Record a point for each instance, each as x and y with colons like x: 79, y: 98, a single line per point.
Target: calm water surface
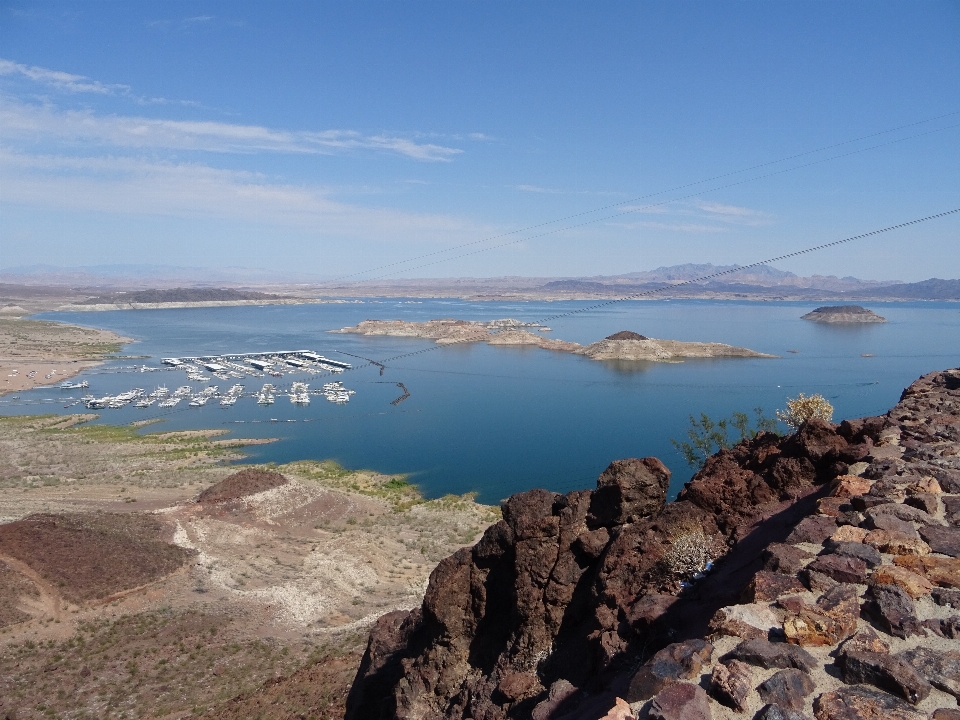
x: 498, y: 420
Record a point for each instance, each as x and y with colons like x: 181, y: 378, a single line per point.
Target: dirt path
x: 49, y: 603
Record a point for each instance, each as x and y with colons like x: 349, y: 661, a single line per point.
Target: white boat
x: 199, y: 400
x: 74, y: 385
x: 228, y: 400
x: 169, y: 402
x: 145, y: 403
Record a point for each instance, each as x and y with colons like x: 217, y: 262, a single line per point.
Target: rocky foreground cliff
x: 809, y: 575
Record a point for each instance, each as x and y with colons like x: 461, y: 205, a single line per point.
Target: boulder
x: 620, y: 711
x: 731, y: 683
x: 944, y: 572
x: 676, y: 662
x: 519, y: 686
x: 890, y: 523
x: 766, y: 586
x: 769, y: 655
x: 927, y: 502
x: 867, y: 553
x: 753, y: 620
x: 946, y: 714
x: 892, y: 609
x: 886, y: 672
x: 778, y: 712
x: 862, y: 702
x: 627, y: 491
x: 905, y: 513
x: 813, y: 530
x: 941, y: 668
x: 915, y: 585
x: 896, y: 543
x: 680, y: 701
x: 945, y: 597
x: 841, y: 569
x: 846, y: 486
x: 786, y: 688
x: 560, y: 691
x: 783, y: 558
x: 849, y: 533
x: 943, y: 540
x: 865, y: 640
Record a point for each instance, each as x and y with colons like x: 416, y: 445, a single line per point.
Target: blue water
x: 498, y: 420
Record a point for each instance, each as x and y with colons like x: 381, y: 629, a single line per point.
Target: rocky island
x: 843, y: 314
x: 624, y: 345
x: 809, y: 575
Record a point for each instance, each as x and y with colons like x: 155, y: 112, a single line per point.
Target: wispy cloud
x: 684, y: 227
x: 130, y: 186
x: 61, y: 80
x: 84, y: 126
x: 734, y: 214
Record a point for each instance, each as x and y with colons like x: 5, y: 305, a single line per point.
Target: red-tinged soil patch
x: 13, y: 587
x: 155, y: 664
x: 246, y: 482
x: 318, y: 691
x: 92, y: 555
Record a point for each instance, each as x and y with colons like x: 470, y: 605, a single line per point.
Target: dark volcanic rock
x: 868, y: 554
x: 786, y: 688
x: 862, y: 702
x: 766, y: 586
x: 676, y: 662
x: 766, y: 654
x: 944, y: 540
x: 924, y: 501
x: 865, y: 640
x: 783, y: 558
x: 680, y: 701
x: 946, y: 714
x: 548, y: 615
x: 940, y: 668
x: 944, y: 596
x: 813, y: 530
x: 887, y: 672
x: 627, y: 491
x: 892, y: 608
x: 731, y: 683
x: 778, y: 712
x: 841, y: 569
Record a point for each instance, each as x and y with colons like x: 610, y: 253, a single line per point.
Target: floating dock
x: 259, y: 360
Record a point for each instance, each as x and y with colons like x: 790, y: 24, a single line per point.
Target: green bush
x: 708, y: 437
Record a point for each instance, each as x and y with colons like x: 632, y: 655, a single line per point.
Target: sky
x: 435, y: 139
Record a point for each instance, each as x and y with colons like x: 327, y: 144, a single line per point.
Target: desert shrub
x: 708, y: 436
x: 803, y: 408
x: 690, y: 554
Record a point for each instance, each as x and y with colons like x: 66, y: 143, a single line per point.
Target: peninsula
x: 843, y: 314
x: 39, y: 352
x: 624, y: 345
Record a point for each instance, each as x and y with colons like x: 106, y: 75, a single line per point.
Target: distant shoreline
x: 101, y: 307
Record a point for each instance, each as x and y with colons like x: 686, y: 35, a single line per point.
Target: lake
x: 498, y: 420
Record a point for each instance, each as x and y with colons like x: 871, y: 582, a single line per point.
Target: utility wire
x: 651, y: 195
x: 702, y: 278
x: 654, y: 205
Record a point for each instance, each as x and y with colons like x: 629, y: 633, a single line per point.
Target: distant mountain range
x: 724, y: 281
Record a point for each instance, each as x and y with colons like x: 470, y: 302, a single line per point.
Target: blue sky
x: 337, y: 137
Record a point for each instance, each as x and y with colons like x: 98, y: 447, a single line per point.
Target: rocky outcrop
x: 767, y: 588
x: 843, y: 314
x: 624, y: 345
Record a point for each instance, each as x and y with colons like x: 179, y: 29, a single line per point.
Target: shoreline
x: 39, y: 353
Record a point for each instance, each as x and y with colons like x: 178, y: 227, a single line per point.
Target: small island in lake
x: 843, y: 314
x: 624, y: 345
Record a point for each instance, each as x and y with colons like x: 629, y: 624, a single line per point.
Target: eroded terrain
x: 141, y: 578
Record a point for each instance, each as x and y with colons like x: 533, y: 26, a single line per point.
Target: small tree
x: 708, y: 437
x: 803, y: 408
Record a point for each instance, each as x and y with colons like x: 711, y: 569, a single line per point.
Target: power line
x: 661, y: 192
x: 659, y: 204
x: 702, y: 278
